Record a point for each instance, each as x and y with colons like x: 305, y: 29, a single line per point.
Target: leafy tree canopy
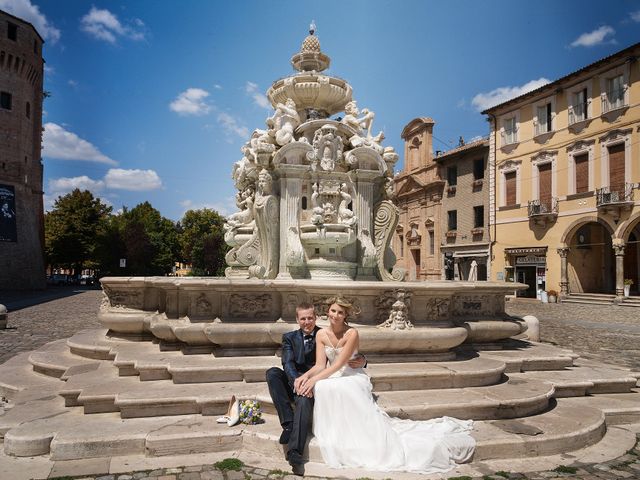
x: 202, y: 241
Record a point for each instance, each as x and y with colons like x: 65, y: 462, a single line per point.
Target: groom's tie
x: 309, y: 343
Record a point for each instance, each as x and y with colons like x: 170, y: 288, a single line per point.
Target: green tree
x: 202, y: 241
x: 150, y: 241
x: 72, y: 229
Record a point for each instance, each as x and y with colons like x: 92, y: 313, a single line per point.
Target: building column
x: 618, y: 250
x: 564, y: 277
x: 290, y: 192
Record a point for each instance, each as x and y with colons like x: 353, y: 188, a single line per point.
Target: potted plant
x: 552, y: 295
x: 627, y: 286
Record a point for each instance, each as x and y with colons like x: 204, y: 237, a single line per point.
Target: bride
x: 350, y: 428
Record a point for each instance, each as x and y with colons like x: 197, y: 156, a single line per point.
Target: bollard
x: 533, y: 328
x: 3, y: 317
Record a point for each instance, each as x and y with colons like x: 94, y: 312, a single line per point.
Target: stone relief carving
x: 346, y: 216
x: 256, y: 305
x: 399, y: 313
x: 121, y: 298
x: 437, y: 308
x: 386, y: 220
x: 202, y: 306
x: 327, y: 149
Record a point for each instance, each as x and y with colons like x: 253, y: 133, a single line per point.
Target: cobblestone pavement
x: 605, y: 333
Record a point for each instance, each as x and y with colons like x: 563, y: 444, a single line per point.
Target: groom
x: 298, y: 356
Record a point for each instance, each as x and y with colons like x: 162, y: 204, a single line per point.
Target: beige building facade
x: 564, y: 177
x: 465, y: 241
x: 21, y: 195
x: 419, y: 197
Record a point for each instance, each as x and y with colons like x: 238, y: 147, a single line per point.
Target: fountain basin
x: 248, y: 317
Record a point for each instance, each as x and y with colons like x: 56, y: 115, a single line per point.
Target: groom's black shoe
x: 298, y: 469
x: 285, y: 435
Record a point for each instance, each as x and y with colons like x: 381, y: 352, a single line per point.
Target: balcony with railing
x: 541, y: 212
x: 615, y: 196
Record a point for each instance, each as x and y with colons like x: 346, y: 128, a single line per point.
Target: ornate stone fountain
x: 315, y: 217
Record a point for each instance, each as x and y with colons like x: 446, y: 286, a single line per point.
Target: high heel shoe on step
x: 225, y: 418
x: 234, y: 414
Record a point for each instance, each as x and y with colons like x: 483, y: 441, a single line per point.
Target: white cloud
x: 31, y: 13
x: 635, y: 16
x: 597, y: 37
x: 64, y: 145
x: 48, y: 69
x: 104, y: 25
x: 482, y: 101
x: 67, y: 184
x: 259, y: 98
x: 231, y: 126
x: 217, y: 86
x: 191, y: 102
x: 61, y: 186
x: 225, y: 208
x: 135, y: 180
x: 72, y: 83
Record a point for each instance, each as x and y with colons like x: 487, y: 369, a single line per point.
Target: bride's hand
x: 306, y: 390
x: 298, y: 383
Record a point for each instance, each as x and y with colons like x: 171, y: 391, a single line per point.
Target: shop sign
x: 530, y: 259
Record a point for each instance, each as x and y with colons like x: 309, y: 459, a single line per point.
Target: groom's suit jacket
x: 295, y: 361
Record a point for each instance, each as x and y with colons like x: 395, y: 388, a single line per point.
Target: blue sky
x: 152, y: 99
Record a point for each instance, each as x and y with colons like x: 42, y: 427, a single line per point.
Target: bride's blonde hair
x: 350, y: 309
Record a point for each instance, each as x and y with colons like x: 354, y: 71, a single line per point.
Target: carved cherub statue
x: 284, y: 121
x: 245, y: 217
x: 360, y: 125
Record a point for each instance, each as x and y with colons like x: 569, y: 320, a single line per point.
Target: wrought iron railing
x: 613, y: 100
x: 538, y: 207
x: 577, y: 113
x: 609, y: 195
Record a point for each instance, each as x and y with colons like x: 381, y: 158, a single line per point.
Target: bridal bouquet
x: 250, y: 412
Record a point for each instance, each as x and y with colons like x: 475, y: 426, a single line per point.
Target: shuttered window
x: 582, y: 172
x: 510, y: 184
x: 544, y: 184
x: 616, y: 167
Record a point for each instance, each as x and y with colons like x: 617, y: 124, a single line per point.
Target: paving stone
x: 167, y: 477
x: 211, y: 475
x: 235, y: 475
x: 197, y: 468
x: 189, y: 476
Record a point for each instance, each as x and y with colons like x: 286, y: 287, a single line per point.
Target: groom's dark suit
x: 298, y: 356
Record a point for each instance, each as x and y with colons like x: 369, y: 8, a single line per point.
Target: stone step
x: 521, y: 356
x: 55, y: 360
x: 586, y: 301
x: 619, y: 408
x: 135, y: 399
x: 17, y: 375
x: 607, y: 296
x: 71, y: 435
x: 587, y: 379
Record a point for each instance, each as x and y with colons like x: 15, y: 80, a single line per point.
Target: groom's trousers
x: 298, y: 420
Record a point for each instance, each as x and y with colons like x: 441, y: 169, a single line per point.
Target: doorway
x: 527, y: 275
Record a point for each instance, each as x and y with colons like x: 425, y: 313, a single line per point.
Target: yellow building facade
x: 564, y: 166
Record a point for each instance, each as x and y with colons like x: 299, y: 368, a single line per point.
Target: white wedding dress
x: 352, y: 431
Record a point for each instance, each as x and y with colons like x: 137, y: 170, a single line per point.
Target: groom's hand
x: 358, y: 362
x: 297, y: 384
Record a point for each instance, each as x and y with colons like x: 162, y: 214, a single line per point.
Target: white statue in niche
x: 345, y: 215
x: 266, y: 209
x: 361, y: 138
x: 284, y: 121
x: 327, y: 148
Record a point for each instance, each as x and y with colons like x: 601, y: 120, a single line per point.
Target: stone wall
x: 21, y: 83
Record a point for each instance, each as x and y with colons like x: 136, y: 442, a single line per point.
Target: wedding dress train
x: 353, y: 431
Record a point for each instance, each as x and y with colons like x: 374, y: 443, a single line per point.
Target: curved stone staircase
x: 96, y: 395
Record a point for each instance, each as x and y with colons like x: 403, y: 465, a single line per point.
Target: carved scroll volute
x: 386, y: 219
